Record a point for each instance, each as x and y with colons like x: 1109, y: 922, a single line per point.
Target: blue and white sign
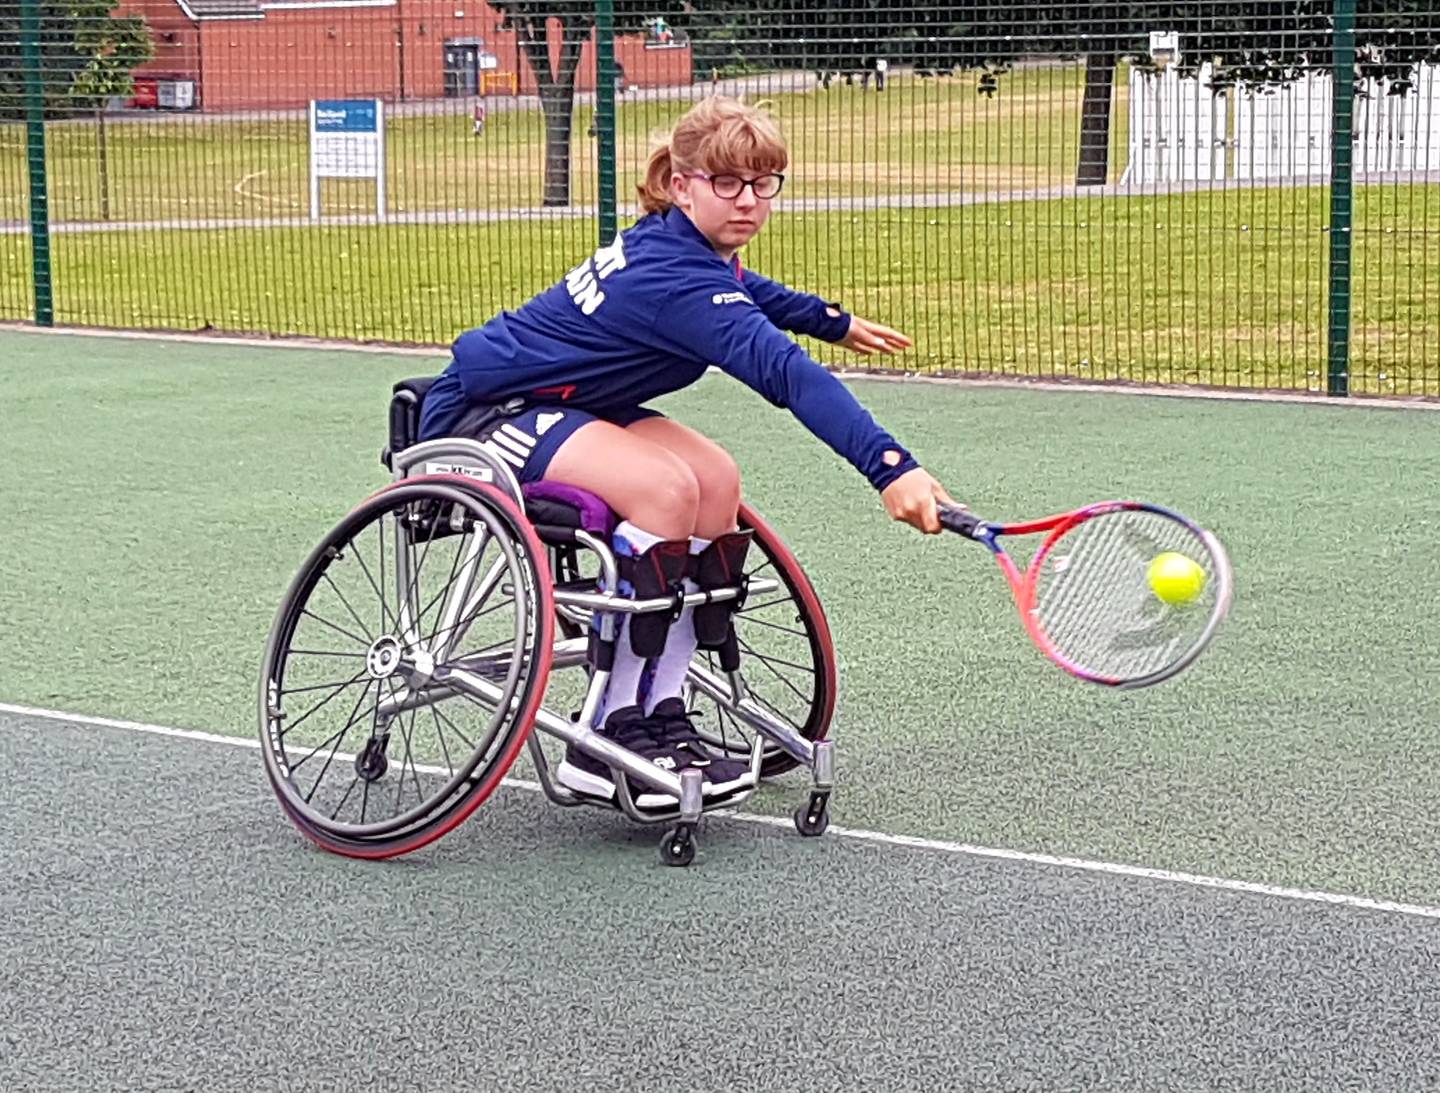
x: 347, y: 140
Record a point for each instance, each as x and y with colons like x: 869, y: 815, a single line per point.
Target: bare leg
x: 714, y: 470
x: 643, y: 481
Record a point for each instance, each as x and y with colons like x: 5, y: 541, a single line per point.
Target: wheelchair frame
x: 468, y: 458
x: 461, y: 487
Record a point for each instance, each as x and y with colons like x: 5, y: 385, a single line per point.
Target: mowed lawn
x: 920, y: 136
x: 1225, y: 287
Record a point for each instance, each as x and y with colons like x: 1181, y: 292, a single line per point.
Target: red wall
x: 291, y: 56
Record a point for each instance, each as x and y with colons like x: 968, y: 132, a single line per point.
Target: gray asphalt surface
x: 164, y: 928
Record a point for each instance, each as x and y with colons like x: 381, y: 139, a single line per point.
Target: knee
x: 718, y: 478
x: 672, y: 497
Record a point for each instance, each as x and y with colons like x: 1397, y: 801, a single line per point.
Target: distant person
x: 478, y: 118
x: 876, y: 66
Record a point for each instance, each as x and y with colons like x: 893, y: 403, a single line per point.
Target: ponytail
x: 655, y: 190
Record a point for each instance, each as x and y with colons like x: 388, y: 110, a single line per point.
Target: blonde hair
x: 716, y: 134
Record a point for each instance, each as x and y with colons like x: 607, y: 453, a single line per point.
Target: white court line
x: 1195, y: 880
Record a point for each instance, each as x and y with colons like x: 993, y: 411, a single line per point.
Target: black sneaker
x: 672, y: 728
x: 628, y: 727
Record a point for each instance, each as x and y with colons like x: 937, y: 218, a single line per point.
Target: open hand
x: 865, y: 337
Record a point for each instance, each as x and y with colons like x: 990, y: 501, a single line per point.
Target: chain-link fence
x: 1243, y: 194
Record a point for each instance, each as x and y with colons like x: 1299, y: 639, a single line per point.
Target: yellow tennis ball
x: 1175, y: 579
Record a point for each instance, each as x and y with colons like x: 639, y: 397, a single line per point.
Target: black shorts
x: 528, y: 439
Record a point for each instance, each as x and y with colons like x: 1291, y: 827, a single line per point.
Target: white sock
x: 624, y: 686
x: 668, y: 671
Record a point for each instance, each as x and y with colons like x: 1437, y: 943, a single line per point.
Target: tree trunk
x: 557, y: 96
x: 1094, y: 167
x: 104, y: 161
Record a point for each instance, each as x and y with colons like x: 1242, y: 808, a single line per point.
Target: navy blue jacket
x: 647, y: 315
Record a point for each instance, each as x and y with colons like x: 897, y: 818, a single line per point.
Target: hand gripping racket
x: 1119, y: 593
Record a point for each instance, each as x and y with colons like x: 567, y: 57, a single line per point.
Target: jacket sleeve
x: 798, y: 312
x: 708, y: 324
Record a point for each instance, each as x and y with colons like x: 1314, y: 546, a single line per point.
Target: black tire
x: 786, y: 654
x: 677, y: 848
x: 414, y: 659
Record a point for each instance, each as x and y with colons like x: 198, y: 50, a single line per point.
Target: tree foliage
x: 87, y: 54
x: 555, y: 71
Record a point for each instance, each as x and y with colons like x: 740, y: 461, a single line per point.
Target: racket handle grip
x: 960, y: 521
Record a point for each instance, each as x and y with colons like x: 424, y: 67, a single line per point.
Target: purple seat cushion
x: 548, y: 502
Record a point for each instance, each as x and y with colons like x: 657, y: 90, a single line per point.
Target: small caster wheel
x: 678, y: 846
x: 812, y: 819
x: 371, y: 763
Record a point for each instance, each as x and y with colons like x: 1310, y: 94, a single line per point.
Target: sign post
x: 347, y: 140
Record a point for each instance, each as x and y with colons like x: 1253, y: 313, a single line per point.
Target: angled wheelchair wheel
x: 787, y: 657
x: 405, y: 666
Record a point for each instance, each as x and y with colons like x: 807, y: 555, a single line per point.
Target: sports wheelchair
x: 421, y: 641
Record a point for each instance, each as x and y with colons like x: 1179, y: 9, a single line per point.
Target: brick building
x: 222, y: 55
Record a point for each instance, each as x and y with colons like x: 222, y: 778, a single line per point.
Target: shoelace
x: 632, y: 733
x: 680, y: 733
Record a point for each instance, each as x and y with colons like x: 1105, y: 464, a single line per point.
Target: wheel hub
x: 383, y: 659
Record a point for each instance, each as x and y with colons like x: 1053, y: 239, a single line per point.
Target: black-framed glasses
x: 729, y: 186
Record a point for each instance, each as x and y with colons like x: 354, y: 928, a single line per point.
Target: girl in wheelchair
x: 557, y: 388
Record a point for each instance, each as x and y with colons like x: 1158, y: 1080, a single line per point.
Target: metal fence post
x: 605, y: 115
x: 30, y: 59
x: 1342, y: 146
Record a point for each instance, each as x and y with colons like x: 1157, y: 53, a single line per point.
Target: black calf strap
x: 652, y: 573
x: 719, y: 565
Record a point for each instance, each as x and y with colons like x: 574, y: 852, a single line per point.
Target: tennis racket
x: 1104, y: 596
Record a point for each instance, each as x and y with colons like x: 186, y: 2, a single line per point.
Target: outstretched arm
x: 736, y: 335
x: 797, y: 312
x: 802, y: 313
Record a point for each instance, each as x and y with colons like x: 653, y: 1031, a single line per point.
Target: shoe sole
x: 601, y: 788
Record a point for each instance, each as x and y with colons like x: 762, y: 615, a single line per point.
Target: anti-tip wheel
x: 678, y: 846
x: 812, y: 819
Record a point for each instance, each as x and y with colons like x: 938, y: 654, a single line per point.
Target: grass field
x: 927, y: 135
x: 1221, y: 287
x: 1226, y: 287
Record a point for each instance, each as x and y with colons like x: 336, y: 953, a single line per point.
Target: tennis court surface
x: 166, y: 928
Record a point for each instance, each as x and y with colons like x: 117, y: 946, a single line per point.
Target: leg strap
x: 655, y: 572
x: 719, y: 565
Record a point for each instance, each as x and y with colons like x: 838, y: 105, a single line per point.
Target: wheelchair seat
x: 556, y: 509
x: 407, y: 396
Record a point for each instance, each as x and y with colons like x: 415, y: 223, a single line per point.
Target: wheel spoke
x: 454, y: 566
x: 348, y: 790
x: 763, y: 660
x: 749, y: 608
x: 453, y: 727
x: 776, y: 626
x: 301, y: 719
x: 386, y: 619
x: 410, y: 756
x: 321, y: 686
x: 350, y: 724
x: 779, y: 660
x: 440, y: 736
x: 365, y: 642
x: 358, y: 620
x: 413, y: 586
x: 337, y: 737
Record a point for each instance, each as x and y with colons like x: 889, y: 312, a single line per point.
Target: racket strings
x: 1094, y: 602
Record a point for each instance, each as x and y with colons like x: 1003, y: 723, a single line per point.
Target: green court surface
x: 160, y: 495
